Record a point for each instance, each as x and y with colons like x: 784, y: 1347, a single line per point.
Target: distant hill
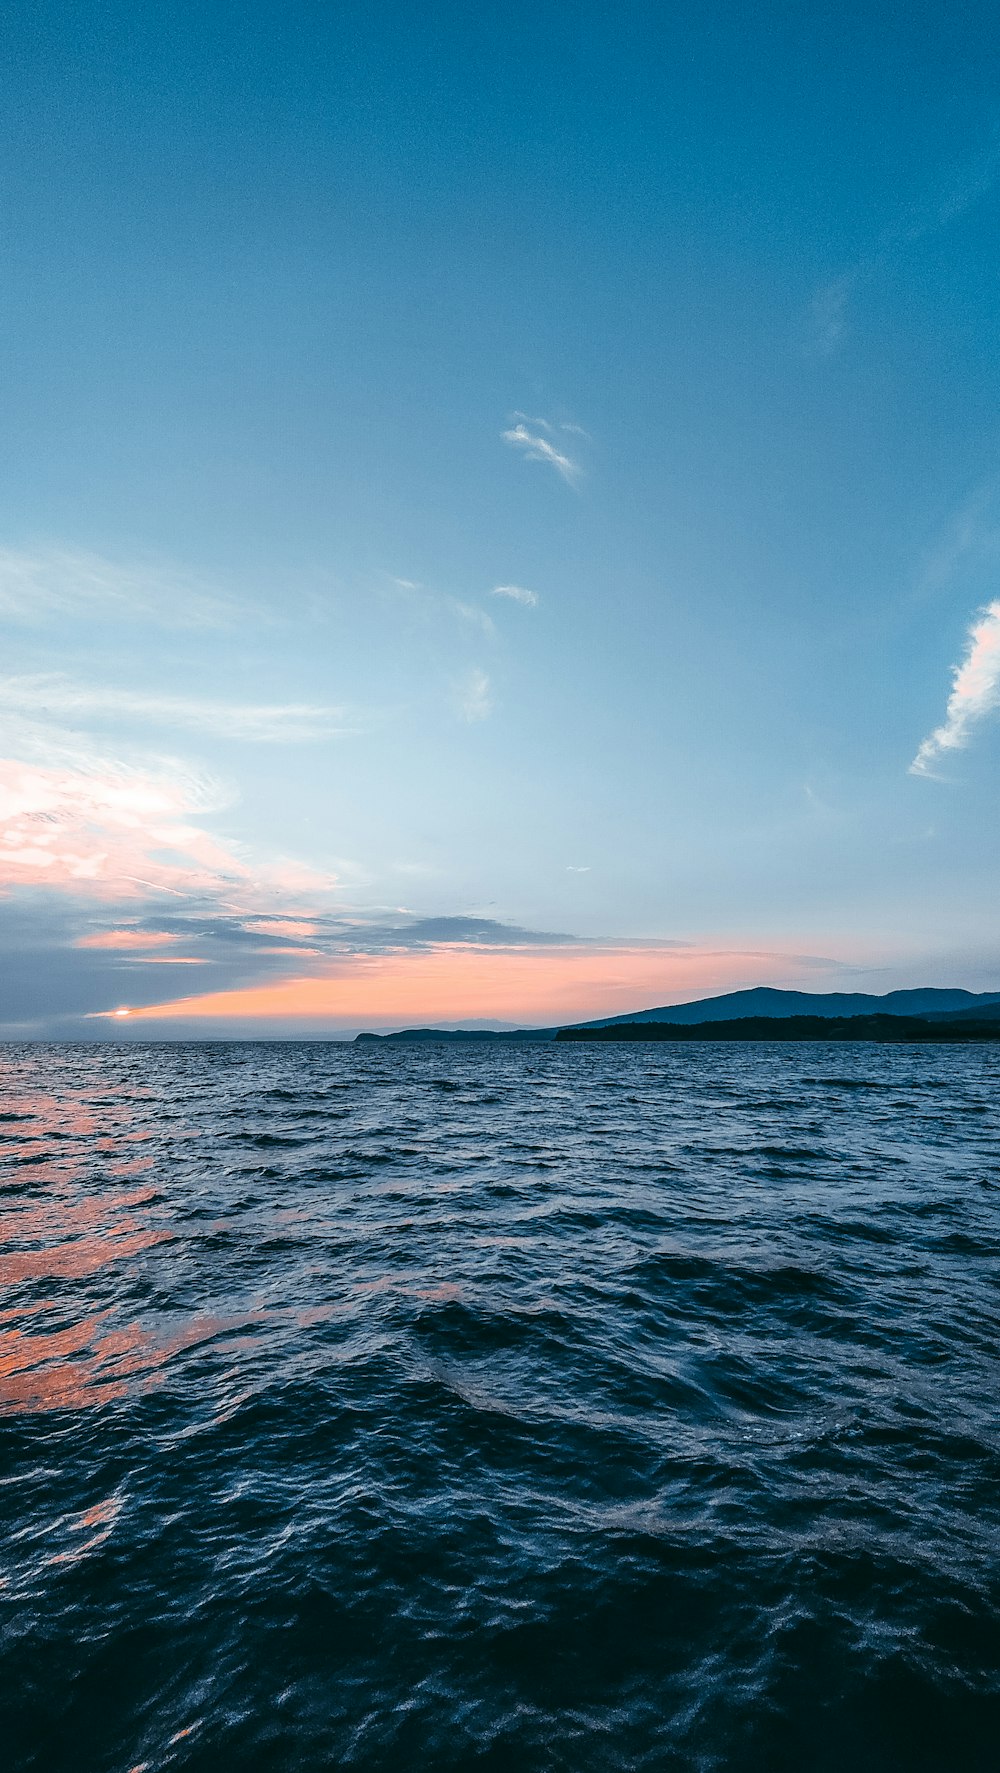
x: 761, y: 1000
x: 986, y: 1011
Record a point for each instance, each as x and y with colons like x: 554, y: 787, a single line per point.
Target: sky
x: 499, y: 510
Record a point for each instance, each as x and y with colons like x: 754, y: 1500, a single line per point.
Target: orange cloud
x: 446, y: 983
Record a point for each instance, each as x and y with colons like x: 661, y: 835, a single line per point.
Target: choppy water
x: 555, y: 1408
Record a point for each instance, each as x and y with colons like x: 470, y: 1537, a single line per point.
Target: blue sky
x: 493, y: 504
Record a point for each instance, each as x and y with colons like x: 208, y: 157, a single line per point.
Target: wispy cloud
x: 59, y: 697
x: 517, y: 594
x: 975, y: 693
x: 536, y: 448
x: 39, y: 584
x: 428, y: 604
x: 528, y: 419
x: 475, y: 700
x: 828, y: 312
x: 959, y: 190
x: 476, y: 617
x: 539, y: 424
x: 970, y: 542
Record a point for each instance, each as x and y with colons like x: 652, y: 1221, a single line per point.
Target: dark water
x: 567, y: 1408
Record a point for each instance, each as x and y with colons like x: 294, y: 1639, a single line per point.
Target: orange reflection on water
x: 72, y: 1261
x: 58, y: 1114
x: 85, y: 1365
x: 77, y: 1236
x: 61, y: 1215
x: 81, y: 1366
x: 59, y: 1348
x: 67, y: 1369
x: 69, y: 1236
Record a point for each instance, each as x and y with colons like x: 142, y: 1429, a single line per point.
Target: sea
x: 531, y: 1409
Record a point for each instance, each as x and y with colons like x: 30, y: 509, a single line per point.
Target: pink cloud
x: 118, y: 832
x: 126, y: 939
x: 103, y: 833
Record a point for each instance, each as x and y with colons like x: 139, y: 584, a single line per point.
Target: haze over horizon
x: 500, y: 513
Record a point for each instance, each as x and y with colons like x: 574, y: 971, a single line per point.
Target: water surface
x: 505, y: 1408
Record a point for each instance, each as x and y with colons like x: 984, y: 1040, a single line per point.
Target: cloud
x: 517, y: 594
x: 959, y: 191
x: 975, y: 692
x: 546, y: 425
x: 281, y: 926
x: 115, y: 831
x: 127, y: 940
x: 540, y: 424
x: 476, y: 617
x: 58, y: 696
x: 970, y: 543
x: 828, y: 312
x: 46, y: 582
x: 460, y: 931
x: 427, y: 604
x: 475, y: 701
x: 539, y: 449
x: 183, y: 960
x: 104, y: 832
x: 330, y: 936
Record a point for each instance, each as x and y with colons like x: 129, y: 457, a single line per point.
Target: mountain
x: 765, y: 1000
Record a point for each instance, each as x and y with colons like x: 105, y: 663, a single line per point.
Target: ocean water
x: 511, y: 1408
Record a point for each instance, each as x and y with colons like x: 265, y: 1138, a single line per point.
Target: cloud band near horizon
x: 456, y: 982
